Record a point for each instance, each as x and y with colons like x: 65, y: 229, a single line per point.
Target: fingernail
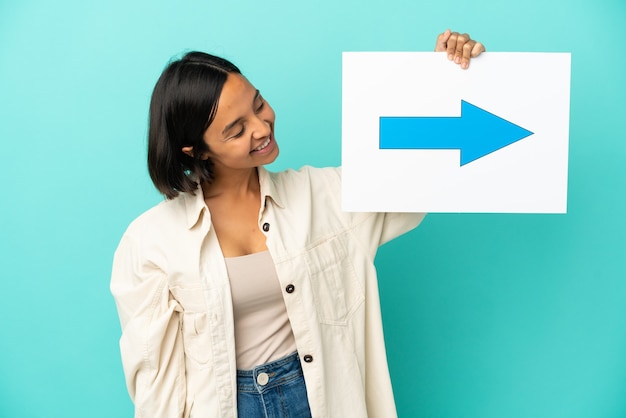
x: 457, y: 60
x: 450, y: 56
x: 464, y: 66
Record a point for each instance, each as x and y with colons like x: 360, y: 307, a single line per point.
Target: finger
x: 477, y: 49
x: 442, y: 41
x: 451, y: 45
x: 461, y: 40
x: 467, y: 54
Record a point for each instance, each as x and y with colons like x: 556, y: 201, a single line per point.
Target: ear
x: 188, y: 150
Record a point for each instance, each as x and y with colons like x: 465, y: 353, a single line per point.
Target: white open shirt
x: 172, y: 292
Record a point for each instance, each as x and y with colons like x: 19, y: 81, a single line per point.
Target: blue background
x: 486, y: 316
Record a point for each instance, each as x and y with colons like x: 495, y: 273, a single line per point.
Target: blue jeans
x: 273, y: 390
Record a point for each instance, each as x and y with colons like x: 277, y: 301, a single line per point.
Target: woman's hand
x: 459, y: 47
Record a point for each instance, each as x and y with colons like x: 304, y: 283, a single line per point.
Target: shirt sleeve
x: 395, y: 224
x: 151, y: 344
x: 377, y: 228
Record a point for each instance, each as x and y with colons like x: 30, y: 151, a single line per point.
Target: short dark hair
x: 183, y: 105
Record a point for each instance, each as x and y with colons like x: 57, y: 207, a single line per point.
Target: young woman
x: 249, y: 293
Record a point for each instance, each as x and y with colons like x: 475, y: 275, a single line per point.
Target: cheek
x: 270, y: 116
x: 211, y: 142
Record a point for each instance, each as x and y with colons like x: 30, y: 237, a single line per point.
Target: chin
x: 274, y: 155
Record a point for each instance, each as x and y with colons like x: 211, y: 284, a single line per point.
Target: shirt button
x: 307, y: 358
x: 262, y: 379
x: 290, y: 288
x: 266, y: 227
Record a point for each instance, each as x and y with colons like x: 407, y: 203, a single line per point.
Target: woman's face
x: 241, y: 135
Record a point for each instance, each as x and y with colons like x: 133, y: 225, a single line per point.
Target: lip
x: 268, y: 148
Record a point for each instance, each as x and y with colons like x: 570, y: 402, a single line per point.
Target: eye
x: 261, y: 105
x: 238, y: 134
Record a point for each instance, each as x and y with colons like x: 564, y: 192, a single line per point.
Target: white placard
x: 407, y: 147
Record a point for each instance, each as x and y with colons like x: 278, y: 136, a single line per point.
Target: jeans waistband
x: 269, y: 375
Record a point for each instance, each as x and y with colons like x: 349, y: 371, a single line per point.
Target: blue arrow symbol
x: 476, y: 132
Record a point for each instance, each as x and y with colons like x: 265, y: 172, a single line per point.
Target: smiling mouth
x: 264, y: 144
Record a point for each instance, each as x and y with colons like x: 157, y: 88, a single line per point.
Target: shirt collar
x: 194, y: 203
x: 269, y: 189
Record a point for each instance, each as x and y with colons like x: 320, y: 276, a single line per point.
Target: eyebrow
x: 236, y: 121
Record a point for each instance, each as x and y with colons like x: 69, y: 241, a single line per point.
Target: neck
x: 234, y: 185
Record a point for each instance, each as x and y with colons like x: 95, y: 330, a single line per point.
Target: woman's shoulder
x: 163, y: 215
x: 307, y: 180
x: 308, y: 186
x: 307, y: 174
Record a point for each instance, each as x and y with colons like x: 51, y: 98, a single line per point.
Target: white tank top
x: 262, y: 329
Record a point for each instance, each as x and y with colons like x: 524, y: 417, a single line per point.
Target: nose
x: 262, y: 128
x: 262, y: 131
